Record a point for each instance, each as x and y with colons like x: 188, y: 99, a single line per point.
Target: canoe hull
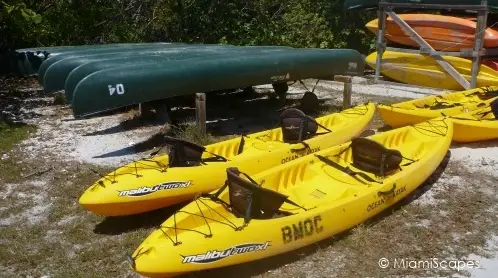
x: 85, y: 52
x: 75, y: 70
x: 144, y: 83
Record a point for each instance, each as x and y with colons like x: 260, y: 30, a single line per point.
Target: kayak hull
x: 419, y: 110
x: 475, y: 126
x: 374, y: 4
x: 142, y: 186
x: 206, y: 243
x: 423, y: 70
x: 446, y: 33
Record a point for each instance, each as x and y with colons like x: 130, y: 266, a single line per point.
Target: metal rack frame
x: 387, y: 9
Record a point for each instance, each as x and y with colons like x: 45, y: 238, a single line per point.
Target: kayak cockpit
x: 451, y: 100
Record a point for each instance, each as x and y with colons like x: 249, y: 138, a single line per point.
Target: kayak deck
x: 296, y: 204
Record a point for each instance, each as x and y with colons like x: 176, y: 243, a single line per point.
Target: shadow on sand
x: 253, y: 115
x: 123, y: 224
x: 261, y: 266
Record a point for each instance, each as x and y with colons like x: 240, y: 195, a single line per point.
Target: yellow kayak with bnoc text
x: 296, y: 204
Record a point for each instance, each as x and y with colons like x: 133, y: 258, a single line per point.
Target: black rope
x: 216, y: 158
x: 228, y: 220
x: 161, y: 229
x: 430, y: 122
x: 346, y: 170
x: 200, y: 210
x: 102, y: 176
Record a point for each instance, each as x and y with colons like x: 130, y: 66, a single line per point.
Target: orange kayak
x: 441, y: 32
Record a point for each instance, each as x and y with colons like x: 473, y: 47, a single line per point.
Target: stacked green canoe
x: 106, y: 77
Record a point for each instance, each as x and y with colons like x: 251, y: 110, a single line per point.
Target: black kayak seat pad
x: 372, y: 157
x: 251, y: 201
x: 183, y: 153
x: 297, y: 126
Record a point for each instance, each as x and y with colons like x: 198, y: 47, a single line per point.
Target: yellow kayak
x: 423, y: 109
x: 296, y: 204
x: 478, y: 125
x: 190, y: 169
x: 423, y: 70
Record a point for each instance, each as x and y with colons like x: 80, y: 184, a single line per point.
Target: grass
x: 191, y: 132
x: 13, y: 134
x: 59, y: 99
x: 63, y: 241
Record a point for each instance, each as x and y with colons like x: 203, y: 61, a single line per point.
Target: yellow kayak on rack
x: 296, y: 204
x: 478, y: 125
x: 423, y: 109
x: 424, y: 71
x: 190, y: 169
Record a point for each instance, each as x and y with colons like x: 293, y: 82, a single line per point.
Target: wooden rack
x: 387, y: 9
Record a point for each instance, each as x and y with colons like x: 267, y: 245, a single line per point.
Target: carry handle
x: 388, y: 192
x: 306, y: 147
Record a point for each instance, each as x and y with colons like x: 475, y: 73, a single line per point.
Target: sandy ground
x: 104, y: 141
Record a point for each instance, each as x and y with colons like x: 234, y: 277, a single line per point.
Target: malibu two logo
x: 146, y: 190
x: 215, y: 255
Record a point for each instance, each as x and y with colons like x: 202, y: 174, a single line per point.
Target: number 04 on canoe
x: 190, y: 169
x: 295, y: 204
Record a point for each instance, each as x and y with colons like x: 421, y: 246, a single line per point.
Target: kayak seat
x: 372, y: 157
x: 249, y: 200
x: 183, y: 153
x: 297, y: 126
x: 494, y: 108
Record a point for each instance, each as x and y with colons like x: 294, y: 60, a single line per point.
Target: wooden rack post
x: 423, y: 44
x: 386, y: 7
x: 348, y: 89
x: 200, y: 111
x: 381, y: 44
x: 482, y: 18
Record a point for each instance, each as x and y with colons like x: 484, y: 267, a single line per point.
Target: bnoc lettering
x: 302, y: 229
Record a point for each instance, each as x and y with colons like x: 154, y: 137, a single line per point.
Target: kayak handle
x: 131, y: 261
x: 306, y: 147
x: 388, y: 192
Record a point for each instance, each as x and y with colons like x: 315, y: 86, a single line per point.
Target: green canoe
x: 37, y: 55
x: 118, y: 87
x: 55, y: 76
x: 374, y: 4
x: 86, y: 68
x: 96, y: 51
x: 56, y: 50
